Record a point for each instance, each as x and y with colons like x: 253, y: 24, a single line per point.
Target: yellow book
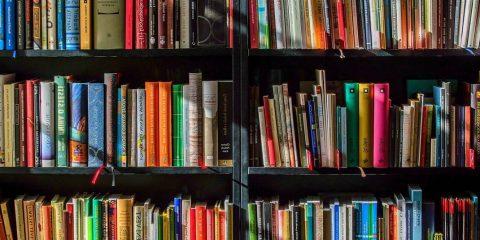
x: 124, y: 218
x: 365, y: 110
x: 9, y: 123
x: 166, y: 225
x: 286, y: 222
x: 85, y: 24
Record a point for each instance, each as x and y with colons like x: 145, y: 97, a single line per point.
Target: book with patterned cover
x: 96, y: 124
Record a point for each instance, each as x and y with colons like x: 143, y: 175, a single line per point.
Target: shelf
x: 147, y: 53
x: 258, y: 171
x: 362, y: 53
x: 120, y: 171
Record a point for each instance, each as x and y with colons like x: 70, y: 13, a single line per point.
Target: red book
x: 29, y: 123
x: 112, y: 219
x: 3, y: 234
x: 381, y: 95
x: 193, y: 223
x: 230, y: 30
x: 69, y: 221
x: 47, y: 222
x: 201, y: 222
x: 424, y: 137
x: 141, y: 24
x: 268, y: 131
x: 129, y: 21
x: 341, y: 25
x: 162, y: 23
x: 223, y: 224
x: 253, y: 20
x: 21, y: 125
x: 210, y: 224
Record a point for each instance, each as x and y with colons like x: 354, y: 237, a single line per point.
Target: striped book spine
x: 47, y: 118
x: 122, y: 126
x: 96, y: 124
x: 61, y: 24
x: 140, y: 134
x: 72, y: 25
x: 177, y: 91
x: 61, y: 120
x: 10, y: 35
x: 78, y: 125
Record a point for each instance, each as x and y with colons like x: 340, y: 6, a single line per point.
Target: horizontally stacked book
x: 115, y: 216
x: 65, y: 123
x: 440, y: 130
x: 367, y: 24
x: 363, y: 216
x: 130, y: 24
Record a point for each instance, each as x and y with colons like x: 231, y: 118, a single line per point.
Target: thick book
x: 124, y: 218
x: 10, y: 25
x: 60, y: 25
x: 351, y: 102
x: 151, y: 123
x: 111, y: 81
x: 169, y: 31
x: 4, y: 79
x: 78, y: 148
x: 381, y: 95
x: 61, y: 120
x: 365, y: 124
x: 195, y: 120
x: 47, y: 119
x: 72, y: 25
x: 29, y: 123
x: 108, y: 24
x: 162, y: 24
x: 165, y: 124
x: 193, y: 37
x: 52, y: 24
x: 96, y: 124
x: 19, y: 217
x: 185, y: 23
x: 209, y: 12
x: 129, y: 24
x: 141, y: 24
x: 140, y: 132
x: 37, y: 24
x: 9, y: 124
x: 152, y: 24
x: 85, y: 18
x: 225, y: 124
x: 20, y: 24
x: 122, y: 126
x: 210, y: 122
x: 177, y: 126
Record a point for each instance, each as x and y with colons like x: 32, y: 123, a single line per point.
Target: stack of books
x: 363, y: 216
x: 63, y: 123
x: 129, y: 24
x: 431, y: 130
x: 364, y: 24
x: 116, y: 216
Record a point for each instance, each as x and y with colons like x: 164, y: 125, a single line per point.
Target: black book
x: 297, y: 223
x: 267, y: 220
x: 449, y: 13
x: 211, y: 26
x: 20, y: 24
x: 225, y: 120
x: 193, y: 24
x: 259, y: 219
x: 392, y: 129
x: 152, y: 24
x: 28, y: 25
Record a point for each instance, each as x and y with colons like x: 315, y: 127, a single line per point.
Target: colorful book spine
x: 177, y: 207
x: 210, y: 109
x: 72, y: 25
x: 264, y: 41
x: 2, y: 25
x: 10, y: 25
x: 122, y: 126
x: 30, y: 126
x: 36, y: 122
x: 141, y: 24
x: 195, y: 121
x: 111, y: 81
x: 416, y: 198
x: 47, y: 118
x: 132, y: 127
x: 185, y: 126
x: 312, y: 129
x: 51, y: 24
x: 61, y: 120
x: 129, y: 23
x: 365, y: 124
x: 140, y: 139
x: 351, y: 102
x: 151, y: 123
x: 96, y: 124
x: 152, y: 24
x: 381, y: 95
x: 85, y: 24
x: 78, y: 124
x: 61, y: 24
x: 165, y: 124
x: 178, y: 157
x: 268, y: 132
x: 16, y: 121
x: 21, y: 125
x: 37, y: 24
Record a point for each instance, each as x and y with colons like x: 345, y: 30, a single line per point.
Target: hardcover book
x: 72, y: 24
x: 108, y: 27
x: 141, y: 24
x: 60, y: 25
x: 177, y: 125
x: 85, y: 25
x: 96, y: 124
x: 225, y: 122
x: 47, y: 118
x: 61, y: 120
x: 78, y: 125
x: 381, y: 95
x: 37, y: 24
x: 351, y: 100
x: 210, y: 122
x: 43, y: 24
x: 10, y: 25
x: 211, y: 23
x: 52, y: 24
x: 111, y: 81
x: 140, y: 133
x: 195, y: 120
x: 365, y: 124
x: 122, y: 126
x: 165, y: 124
x: 151, y: 123
x: 20, y: 23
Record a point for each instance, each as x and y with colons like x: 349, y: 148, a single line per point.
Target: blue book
x: 428, y: 216
x: 78, y: 125
x: 409, y: 216
x: 357, y: 209
x: 335, y: 220
x: 10, y: 24
x: 263, y: 30
x: 416, y: 198
x: 373, y: 231
x: 474, y: 200
x: 61, y: 24
x: 364, y: 221
x: 439, y: 100
x: 2, y: 25
x: 309, y: 217
x: 96, y: 124
x: 313, y: 128
x: 177, y: 209
x: 72, y: 25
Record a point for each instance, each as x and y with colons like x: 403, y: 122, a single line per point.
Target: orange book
x: 223, y: 224
x: 467, y: 135
x: 210, y: 224
x: 201, y: 221
x: 151, y: 122
x: 85, y: 25
x: 47, y: 221
x: 165, y: 124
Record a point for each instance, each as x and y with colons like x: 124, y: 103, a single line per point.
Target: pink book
x: 280, y: 224
x: 381, y: 95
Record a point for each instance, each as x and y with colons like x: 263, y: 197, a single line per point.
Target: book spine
x: 96, y: 124
x: 47, y: 118
x: 20, y: 21
x: 210, y: 109
x: 29, y: 124
x: 162, y: 24
x: 141, y: 24
x: 177, y: 203
x: 51, y: 24
x: 132, y: 127
x: 151, y: 120
x: 177, y: 111
x: 365, y: 125
x: 193, y: 23
x: 263, y: 136
x: 21, y: 126
x: 476, y: 142
x: 269, y: 133
x: 351, y: 102
x: 72, y: 25
x: 312, y: 130
x: 61, y: 131
x: 2, y: 123
x: 122, y: 127
x: 36, y: 122
x: 224, y: 146
x: 85, y: 20
x: 170, y: 24
x: 263, y: 36
x: 140, y: 139
x: 184, y: 23
x: 152, y: 26
x: 129, y: 23
x: 60, y: 24
x: 36, y: 24
x: 78, y: 123
x: 10, y: 35
x: 165, y: 124
x: 111, y: 81
x: 112, y: 219
x: 2, y: 25
x: 185, y: 123
x: 16, y: 123
x: 381, y: 94
x: 253, y: 23
x: 176, y: 24
x: 195, y: 121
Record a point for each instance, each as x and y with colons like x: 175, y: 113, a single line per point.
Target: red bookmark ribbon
x: 97, y: 174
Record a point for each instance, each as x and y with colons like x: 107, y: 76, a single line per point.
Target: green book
x: 61, y: 95
x: 87, y: 216
x: 97, y: 218
x: 90, y: 228
x: 252, y: 221
x: 351, y: 102
x: 309, y: 221
x: 160, y: 226
x: 178, y: 158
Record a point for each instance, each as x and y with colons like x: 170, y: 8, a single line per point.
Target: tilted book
x: 140, y: 132
x: 78, y: 124
x: 96, y: 124
x: 72, y: 24
x: 108, y: 24
x: 195, y: 120
x: 111, y: 81
x: 47, y: 119
x: 210, y: 127
x: 61, y: 120
x: 165, y: 124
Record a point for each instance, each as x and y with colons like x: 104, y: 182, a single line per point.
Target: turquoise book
x: 264, y: 41
x: 177, y: 118
x: 78, y: 125
x: 96, y: 124
x: 416, y: 197
x: 61, y: 120
x: 309, y: 214
x: 351, y: 102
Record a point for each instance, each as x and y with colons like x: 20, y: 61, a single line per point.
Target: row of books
x: 363, y: 216
x: 125, y: 24
x: 368, y: 131
x: 367, y: 24
x: 63, y: 123
x: 95, y: 217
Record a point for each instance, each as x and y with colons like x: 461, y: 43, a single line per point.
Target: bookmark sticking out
x: 14, y: 54
x: 337, y: 159
x: 362, y: 172
x: 112, y: 169
x: 97, y: 174
x: 342, y: 56
x: 470, y: 159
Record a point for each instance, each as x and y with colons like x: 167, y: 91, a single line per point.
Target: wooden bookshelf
x: 147, y: 53
x: 128, y: 171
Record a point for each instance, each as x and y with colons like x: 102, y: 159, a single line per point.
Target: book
x: 61, y: 120
x: 72, y: 25
x: 210, y: 122
x: 140, y: 132
x: 195, y: 120
x: 165, y: 124
x: 122, y: 143
x: 225, y: 118
x: 51, y: 24
x: 2, y: 25
x: 37, y: 24
x: 141, y: 24
x: 151, y: 118
x: 47, y: 118
x: 152, y: 24
x: 206, y: 17
x: 10, y: 26
x: 44, y: 22
x: 78, y: 125
x: 60, y: 25
x: 124, y: 217
x: 20, y: 23
x: 85, y: 18
x: 351, y: 100
x: 19, y: 217
x: 108, y: 28
x: 96, y: 124
x: 177, y: 124
x: 132, y: 127
x: 365, y: 124
x: 381, y: 94
x: 4, y: 79
x: 111, y: 81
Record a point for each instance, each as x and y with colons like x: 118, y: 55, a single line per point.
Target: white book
x: 185, y: 125
x: 4, y: 78
x: 461, y: 22
x: 47, y: 124
x: 398, y: 8
x: 132, y: 127
x: 471, y: 30
x: 185, y: 23
x: 350, y: 225
x: 279, y: 24
x: 210, y: 126
x: 138, y: 212
x: 140, y: 134
x: 52, y: 24
x: 343, y: 222
x: 296, y: 38
x: 156, y: 214
x: 373, y: 24
x: 332, y: 106
x: 195, y: 120
x: 476, y: 41
x: 186, y: 205
x: 401, y: 216
x: 263, y: 136
x: 405, y: 151
x: 466, y: 22
x: 75, y: 219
